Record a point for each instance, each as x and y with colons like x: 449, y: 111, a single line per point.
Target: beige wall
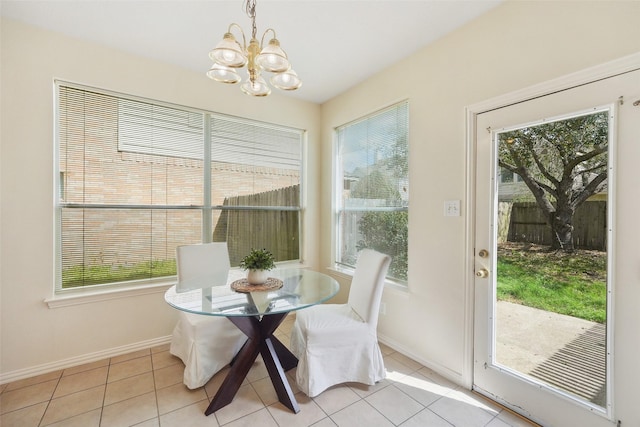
x: 34, y: 336
x: 514, y: 46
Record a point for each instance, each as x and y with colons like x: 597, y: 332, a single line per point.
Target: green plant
x: 258, y: 259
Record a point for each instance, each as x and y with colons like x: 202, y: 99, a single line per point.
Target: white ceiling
x: 332, y: 44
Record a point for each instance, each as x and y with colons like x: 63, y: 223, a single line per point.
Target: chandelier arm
x: 265, y: 34
x: 244, y: 40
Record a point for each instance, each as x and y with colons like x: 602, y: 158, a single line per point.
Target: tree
x: 562, y: 163
x: 387, y: 232
x: 384, y: 231
x: 376, y: 185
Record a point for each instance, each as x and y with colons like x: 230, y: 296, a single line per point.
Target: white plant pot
x: 257, y: 277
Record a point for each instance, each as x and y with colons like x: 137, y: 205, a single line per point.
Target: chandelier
x: 229, y: 56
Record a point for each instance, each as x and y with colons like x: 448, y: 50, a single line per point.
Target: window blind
x: 373, y: 159
x: 131, y: 182
x: 154, y: 129
x: 373, y: 188
x: 235, y: 140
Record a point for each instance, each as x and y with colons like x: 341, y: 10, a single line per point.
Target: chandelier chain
x: 250, y: 9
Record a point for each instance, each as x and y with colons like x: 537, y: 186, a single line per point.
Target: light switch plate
x: 452, y: 208
x: 383, y: 308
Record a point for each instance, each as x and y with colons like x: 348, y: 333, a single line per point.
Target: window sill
x: 347, y: 273
x: 344, y: 273
x: 78, y: 297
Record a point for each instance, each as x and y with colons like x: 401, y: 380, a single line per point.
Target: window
x: 372, y: 188
x: 136, y: 178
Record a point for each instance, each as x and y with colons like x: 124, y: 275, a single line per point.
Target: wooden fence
x: 274, y: 230
x: 524, y: 222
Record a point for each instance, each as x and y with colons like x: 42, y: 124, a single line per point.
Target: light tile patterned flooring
x: 145, y: 389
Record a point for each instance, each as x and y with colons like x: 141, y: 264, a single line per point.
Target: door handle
x: 482, y: 273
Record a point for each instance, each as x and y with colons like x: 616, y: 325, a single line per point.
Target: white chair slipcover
x: 338, y: 343
x: 205, y: 344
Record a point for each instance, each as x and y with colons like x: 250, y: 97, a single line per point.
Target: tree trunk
x: 562, y: 231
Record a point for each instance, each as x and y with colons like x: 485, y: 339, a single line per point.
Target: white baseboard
x: 7, y: 377
x: 455, y: 377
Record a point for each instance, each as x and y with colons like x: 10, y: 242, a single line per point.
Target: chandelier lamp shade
x: 229, y: 56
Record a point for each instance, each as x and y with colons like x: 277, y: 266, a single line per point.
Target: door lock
x: 482, y: 273
x: 483, y: 253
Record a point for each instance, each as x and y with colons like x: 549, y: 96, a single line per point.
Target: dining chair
x: 338, y: 343
x: 205, y: 344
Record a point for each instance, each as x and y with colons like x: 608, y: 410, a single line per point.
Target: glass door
x: 545, y: 185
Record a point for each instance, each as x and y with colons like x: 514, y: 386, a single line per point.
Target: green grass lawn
x: 571, y: 284
x: 93, y: 275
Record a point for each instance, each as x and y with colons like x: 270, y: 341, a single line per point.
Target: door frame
x: 586, y: 76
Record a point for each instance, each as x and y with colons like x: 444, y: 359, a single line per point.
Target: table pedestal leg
x: 277, y: 358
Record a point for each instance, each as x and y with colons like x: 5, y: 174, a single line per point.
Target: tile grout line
x: 50, y: 398
x: 104, y: 396
x: 155, y: 387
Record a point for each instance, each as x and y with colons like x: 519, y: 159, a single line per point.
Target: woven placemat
x: 243, y: 285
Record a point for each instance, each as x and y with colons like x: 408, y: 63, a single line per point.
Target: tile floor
x: 145, y: 389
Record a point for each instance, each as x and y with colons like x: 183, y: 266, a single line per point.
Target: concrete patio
x: 562, y: 351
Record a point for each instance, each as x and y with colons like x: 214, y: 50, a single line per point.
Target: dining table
x: 257, y: 310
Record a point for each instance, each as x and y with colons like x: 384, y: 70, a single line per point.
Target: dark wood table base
x: 277, y: 358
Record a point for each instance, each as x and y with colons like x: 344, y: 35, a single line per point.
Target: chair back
x: 367, y: 284
x: 202, y: 265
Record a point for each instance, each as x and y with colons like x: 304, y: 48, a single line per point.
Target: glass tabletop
x: 301, y: 288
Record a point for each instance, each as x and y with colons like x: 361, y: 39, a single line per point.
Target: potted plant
x: 258, y: 263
